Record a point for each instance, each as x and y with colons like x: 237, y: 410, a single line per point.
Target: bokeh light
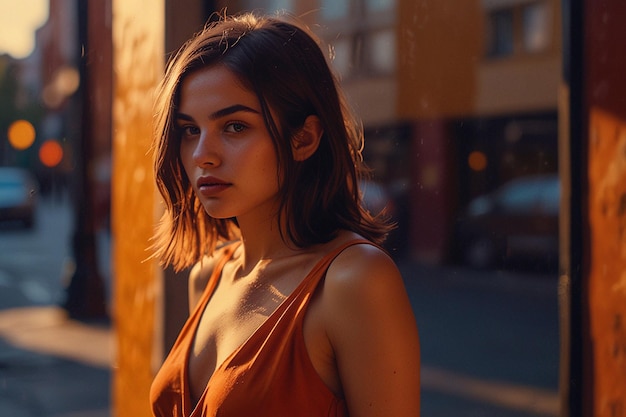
x: 18, y: 22
x: 50, y: 153
x: 21, y: 134
x: 65, y: 82
x: 477, y: 161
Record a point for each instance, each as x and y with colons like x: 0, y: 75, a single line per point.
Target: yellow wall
x: 138, y: 33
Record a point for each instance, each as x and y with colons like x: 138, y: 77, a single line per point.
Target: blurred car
x: 18, y: 196
x: 519, y: 222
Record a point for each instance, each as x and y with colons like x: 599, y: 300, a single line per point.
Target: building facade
x: 435, y: 82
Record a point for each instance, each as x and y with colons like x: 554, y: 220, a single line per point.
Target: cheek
x: 264, y: 172
x: 268, y: 165
x: 185, y: 154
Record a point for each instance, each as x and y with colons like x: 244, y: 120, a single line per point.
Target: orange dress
x: 270, y: 375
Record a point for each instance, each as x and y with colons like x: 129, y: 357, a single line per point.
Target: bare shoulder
x: 370, y: 325
x: 364, y: 283
x: 363, y: 268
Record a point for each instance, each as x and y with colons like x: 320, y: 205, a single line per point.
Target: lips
x: 211, y: 186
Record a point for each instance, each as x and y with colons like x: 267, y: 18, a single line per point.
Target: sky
x: 18, y: 21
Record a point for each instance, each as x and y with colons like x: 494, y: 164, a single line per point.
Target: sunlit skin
x: 225, y: 148
x: 353, y: 326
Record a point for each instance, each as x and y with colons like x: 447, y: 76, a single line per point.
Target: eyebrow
x: 222, y: 112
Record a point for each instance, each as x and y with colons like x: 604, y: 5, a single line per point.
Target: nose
x: 207, y: 151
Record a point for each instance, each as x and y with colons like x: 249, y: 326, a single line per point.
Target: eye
x: 235, y: 127
x: 188, y: 130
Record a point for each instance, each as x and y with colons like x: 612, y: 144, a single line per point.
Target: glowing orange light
x: 477, y: 161
x: 21, y: 134
x: 50, y: 153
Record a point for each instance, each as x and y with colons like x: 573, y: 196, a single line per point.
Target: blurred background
x: 462, y: 106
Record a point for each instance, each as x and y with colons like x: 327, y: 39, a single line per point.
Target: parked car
x: 517, y: 222
x: 18, y: 196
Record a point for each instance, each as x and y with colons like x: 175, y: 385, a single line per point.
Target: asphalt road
x: 50, y: 366
x: 32, y: 260
x: 489, y: 340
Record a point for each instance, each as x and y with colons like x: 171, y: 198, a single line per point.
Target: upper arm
x: 372, y: 330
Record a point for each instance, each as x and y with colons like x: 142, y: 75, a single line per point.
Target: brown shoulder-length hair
x: 283, y: 64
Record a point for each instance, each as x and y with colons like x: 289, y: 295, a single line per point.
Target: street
x: 32, y: 261
x: 489, y: 339
x: 49, y: 365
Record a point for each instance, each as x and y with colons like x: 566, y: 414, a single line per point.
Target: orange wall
x: 440, y: 43
x: 605, y: 87
x: 138, y: 33
x: 607, y: 275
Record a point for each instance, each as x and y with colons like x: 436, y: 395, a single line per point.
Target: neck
x: 262, y: 241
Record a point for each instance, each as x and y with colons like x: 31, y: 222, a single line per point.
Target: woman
x: 295, y: 308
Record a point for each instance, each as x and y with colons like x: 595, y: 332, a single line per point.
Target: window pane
x: 500, y: 33
x: 381, y: 51
x: 379, y: 5
x: 537, y: 28
x: 281, y: 5
x: 342, y: 57
x: 334, y: 9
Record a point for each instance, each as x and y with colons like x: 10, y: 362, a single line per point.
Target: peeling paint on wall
x: 607, y: 280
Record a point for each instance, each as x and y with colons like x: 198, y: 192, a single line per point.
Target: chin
x: 216, y: 213
x: 219, y: 215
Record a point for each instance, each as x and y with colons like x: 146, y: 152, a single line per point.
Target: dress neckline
x: 271, y: 319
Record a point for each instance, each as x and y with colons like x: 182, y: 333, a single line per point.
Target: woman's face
x: 225, y: 147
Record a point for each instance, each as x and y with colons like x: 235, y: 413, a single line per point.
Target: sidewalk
x: 52, y: 366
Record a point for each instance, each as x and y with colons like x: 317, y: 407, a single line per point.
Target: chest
x: 231, y: 317
x: 235, y: 311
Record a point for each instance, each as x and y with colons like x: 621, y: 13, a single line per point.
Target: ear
x: 306, y: 141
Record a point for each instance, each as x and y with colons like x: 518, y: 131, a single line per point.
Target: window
x: 524, y: 28
x: 362, y: 33
x: 281, y: 5
x: 536, y: 27
x: 500, y: 33
x: 379, y: 5
x: 342, y: 56
x: 334, y: 9
x: 381, y: 51
x: 269, y: 6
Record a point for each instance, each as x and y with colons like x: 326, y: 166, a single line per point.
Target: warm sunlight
x: 18, y: 22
